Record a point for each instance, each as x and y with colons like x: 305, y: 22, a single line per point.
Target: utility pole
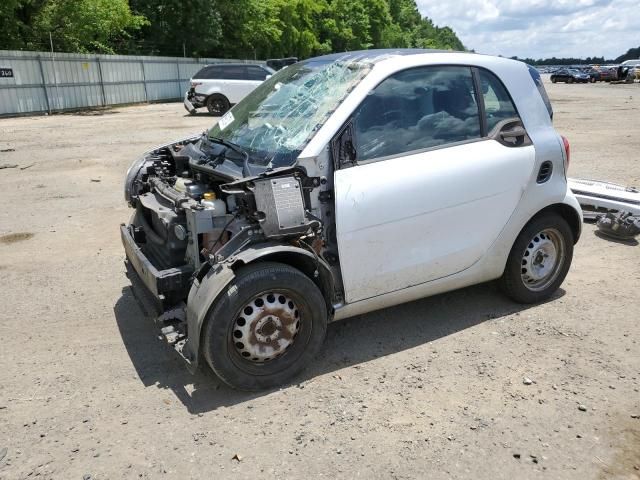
x: 55, y: 74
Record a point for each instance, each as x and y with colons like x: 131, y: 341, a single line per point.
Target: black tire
x: 553, y: 80
x: 217, y: 104
x: 570, y: 80
x: 225, y: 352
x: 592, y: 79
x: 518, y: 280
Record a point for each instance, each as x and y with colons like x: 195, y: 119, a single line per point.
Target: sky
x: 541, y: 28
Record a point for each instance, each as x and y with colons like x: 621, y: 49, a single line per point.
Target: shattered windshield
x: 275, y: 122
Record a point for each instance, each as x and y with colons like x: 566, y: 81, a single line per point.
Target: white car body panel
x: 416, y: 218
x: 234, y: 90
x: 489, y: 267
x: 454, y: 213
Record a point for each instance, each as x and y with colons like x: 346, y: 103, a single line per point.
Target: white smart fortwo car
x: 341, y: 185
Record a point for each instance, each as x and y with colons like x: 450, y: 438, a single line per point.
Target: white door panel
x: 412, y: 219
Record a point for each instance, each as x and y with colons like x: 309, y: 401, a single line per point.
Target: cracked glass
x: 276, y: 121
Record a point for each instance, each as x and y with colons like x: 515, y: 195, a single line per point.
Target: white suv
x: 342, y: 185
x: 220, y: 86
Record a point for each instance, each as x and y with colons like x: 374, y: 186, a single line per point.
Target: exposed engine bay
x: 199, y: 203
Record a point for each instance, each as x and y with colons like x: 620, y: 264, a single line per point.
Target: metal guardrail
x: 40, y: 82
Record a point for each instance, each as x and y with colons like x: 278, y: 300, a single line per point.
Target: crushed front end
x: 196, y: 209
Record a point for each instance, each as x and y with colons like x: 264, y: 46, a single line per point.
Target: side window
x: 497, y: 103
x: 416, y: 109
x: 233, y: 72
x: 208, y: 73
x: 256, y: 73
x: 535, y: 76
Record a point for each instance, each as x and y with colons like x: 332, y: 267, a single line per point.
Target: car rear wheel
x: 267, y: 325
x: 539, y: 260
x: 553, y: 80
x: 570, y: 80
x: 592, y: 79
x: 217, y: 104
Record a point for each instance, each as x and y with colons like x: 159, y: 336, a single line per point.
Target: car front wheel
x: 267, y: 325
x: 539, y: 260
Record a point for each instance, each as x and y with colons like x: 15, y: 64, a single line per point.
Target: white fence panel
x: 36, y: 82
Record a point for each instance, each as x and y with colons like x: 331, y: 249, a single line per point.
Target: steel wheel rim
x: 266, y: 327
x: 542, y: 259
x: 217, y: 106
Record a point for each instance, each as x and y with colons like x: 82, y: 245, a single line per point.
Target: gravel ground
x: 462, y: 385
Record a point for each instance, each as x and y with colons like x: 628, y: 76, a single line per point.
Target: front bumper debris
x: 188, y: 105
x: 597, y: 198
x: 161, y: 283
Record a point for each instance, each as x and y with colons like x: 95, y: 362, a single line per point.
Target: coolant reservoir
x: 181, y: 184
x: 188, y: 186
x: 210, y: 202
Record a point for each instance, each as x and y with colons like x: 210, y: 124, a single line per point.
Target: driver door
x: 426, y: 177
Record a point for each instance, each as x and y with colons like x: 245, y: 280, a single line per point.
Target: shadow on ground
x: 349, y: 342
x: 201, y: 113
x: 630, y: 242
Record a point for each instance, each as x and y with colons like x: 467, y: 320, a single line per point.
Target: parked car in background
x: 635, y: 65
x: 570, y: 75
x: 345, y: 184
x: 280, y: 63
x: 220, y: 86
x: 594, y: 75
x: 608, y: 73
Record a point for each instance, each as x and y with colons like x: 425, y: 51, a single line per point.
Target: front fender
x: 202, y: 295
x: 204, y: 292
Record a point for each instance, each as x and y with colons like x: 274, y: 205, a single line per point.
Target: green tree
x: 177, y: 27
x: 10, y: 26
x: 351, y: 25
x: 86, y: 25
x: 632, y: 54
x: 16, y: 22
x: 301, y: 23
x: 220, y: 28
x: 250, y: 28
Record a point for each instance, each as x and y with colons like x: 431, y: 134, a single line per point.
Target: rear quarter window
x: 535, y: 76
x: 497, y: 102
x: 256, y: 73
x: 208, y: 73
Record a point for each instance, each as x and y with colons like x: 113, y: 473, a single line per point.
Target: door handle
x: 513, y: 133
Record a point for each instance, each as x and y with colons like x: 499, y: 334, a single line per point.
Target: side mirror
x: 343, y: 148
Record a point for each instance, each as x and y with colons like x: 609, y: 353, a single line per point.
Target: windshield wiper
x: 246, y: 170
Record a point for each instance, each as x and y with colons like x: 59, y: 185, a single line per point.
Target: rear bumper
x: 162, y: 284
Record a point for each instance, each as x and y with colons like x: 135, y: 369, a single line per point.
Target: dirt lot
x: 432, y: 389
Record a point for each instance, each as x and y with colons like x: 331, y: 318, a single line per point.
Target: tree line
x: 631, y: 54
x: 219, y: 28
